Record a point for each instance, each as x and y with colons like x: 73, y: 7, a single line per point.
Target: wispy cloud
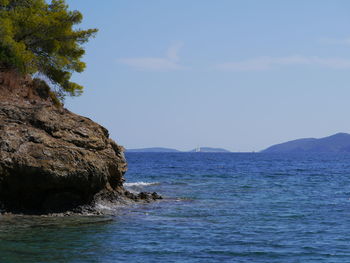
x: 167, y: 63
x: 336, y: 41
x: 266, y: 63
x: 172, y: 52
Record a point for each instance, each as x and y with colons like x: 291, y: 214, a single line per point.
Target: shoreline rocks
x: 52, y: 160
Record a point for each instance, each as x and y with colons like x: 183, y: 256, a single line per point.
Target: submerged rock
x: 143, y: 196
x: 50, y: 158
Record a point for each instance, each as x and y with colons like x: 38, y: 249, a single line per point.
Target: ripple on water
x: 218, y: 208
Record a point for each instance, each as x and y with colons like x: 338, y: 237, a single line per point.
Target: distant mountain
x: 169, y: 150
x: 337, y: 143
x: 153, y: 150
x: 210, y: 150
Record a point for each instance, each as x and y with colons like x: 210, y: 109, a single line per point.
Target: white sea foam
x: 104, y: 207
x: 140, y: 184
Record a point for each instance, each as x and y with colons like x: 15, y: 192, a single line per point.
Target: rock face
x: 50, y: 158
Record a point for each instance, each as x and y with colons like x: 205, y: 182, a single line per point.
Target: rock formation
x: 50, y: 158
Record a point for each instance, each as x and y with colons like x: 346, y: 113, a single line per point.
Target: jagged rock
x: 143, y: 196
x: 148, y: 196
x: 50, y: 158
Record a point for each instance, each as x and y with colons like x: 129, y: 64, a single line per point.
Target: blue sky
x: 241, y: 75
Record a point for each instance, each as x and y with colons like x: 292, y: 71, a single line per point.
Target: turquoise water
x: 218, y: 208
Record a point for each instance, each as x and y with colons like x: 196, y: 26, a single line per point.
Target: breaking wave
x: 140, y: 184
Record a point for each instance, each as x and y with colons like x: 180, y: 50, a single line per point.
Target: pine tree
x: 37, y: 37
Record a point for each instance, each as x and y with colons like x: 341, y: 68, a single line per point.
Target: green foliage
x: 56, y: 101
x: 37, y: 37
x: 44, y: 91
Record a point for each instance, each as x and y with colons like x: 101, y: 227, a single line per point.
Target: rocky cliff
x: 50, y: 158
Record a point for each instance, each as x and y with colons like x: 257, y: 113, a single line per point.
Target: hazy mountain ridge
x: 209, y: 149
x: 153, y: 149
x: 161, y: 149
x: 336, y: 143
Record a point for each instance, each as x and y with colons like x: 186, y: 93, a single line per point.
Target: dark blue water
x: 218, y: 208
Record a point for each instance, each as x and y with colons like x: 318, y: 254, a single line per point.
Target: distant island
x: 169, y: 150
x: 210, y: 150
x: 337, y: 143
x: 154, y: 150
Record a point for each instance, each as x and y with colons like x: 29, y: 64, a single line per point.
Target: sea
x: 217, y: 207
